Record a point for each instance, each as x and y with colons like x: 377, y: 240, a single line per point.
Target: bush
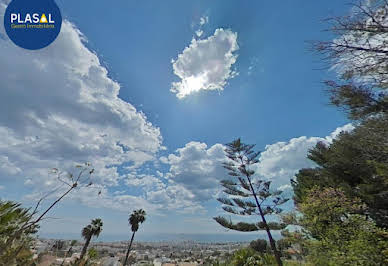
x: 250, y: 257
x: 16, y: 238
x: 259, y: 245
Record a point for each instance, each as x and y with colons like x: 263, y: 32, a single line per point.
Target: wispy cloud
x: 203, y: 20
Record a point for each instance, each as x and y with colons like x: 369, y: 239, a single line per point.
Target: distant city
x: 162, y: 253
x: 157, y: 237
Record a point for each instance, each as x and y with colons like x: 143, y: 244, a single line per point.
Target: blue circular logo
x: 32, y: 24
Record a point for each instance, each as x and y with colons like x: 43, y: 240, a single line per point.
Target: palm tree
x: 93, y: 229
x: 136, y: 218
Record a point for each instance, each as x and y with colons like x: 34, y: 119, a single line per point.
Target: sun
x: 193, y: 84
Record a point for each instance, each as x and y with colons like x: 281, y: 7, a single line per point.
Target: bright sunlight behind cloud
x: 206, y: 64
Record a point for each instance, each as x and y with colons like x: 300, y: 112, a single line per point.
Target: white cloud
x: 119, y: 202
x: 199, y: 33
x: 198, y: 169
x: 58, y: 106
x: 176, y: 197
x: 254, y: 61
x: 335, y: 133
x: 282, y: 160
x: 206, y: 64
x: 203, y: 20
x: 160, y: 174
x: 7, y: 167
x: 146, y: 182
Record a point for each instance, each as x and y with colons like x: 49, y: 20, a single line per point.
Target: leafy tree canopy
x: 334, y: 232
x: 357, y: 162
x: 15, y: 250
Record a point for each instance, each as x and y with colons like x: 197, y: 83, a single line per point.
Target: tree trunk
x: 129, y: 249
x: 271, y: 240
x: 84, y: 249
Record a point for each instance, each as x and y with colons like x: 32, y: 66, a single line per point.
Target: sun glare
x: 193, y: 84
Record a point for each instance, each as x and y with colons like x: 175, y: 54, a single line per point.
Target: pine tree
x: 244, y: 185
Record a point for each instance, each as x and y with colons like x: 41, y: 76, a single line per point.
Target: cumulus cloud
x: 198, y: 168
x: 176, y: 197
x: 206, y: 64
x: 280, y: 161
x: 58, y: 106
x: 7, y: 167
x: 119, y: 202
x: 146, y: 182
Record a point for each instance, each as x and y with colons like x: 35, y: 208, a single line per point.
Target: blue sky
x: 284, y: 96
x: 102, y: 92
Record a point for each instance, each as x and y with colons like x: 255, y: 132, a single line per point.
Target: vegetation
x: 249, y: 257
x: 359, y: 53
x: 92, y: 229
x: 356, y: 162
x: 69, y: 251
x: 92, y: 254
x: 135, y: 219
x: 15, y: 250
x: 259, y: 245
x: 341, y: 204
x: 340, y: 237
x: 28, y: 223
x: 244, y: 185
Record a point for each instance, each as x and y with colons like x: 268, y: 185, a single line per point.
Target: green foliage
x: 259, y: 245
x: 243, y: 185
x: 325, y: 209
x: 336, y: 235
x: 357, y: 101
x: 249, y: 257
x: 92, y: 253
x: 15, y: 240
x: 92, y: 229
x: 298, y: 242
x: 136, y: 218
x: 283, y: 246
x: 344, y: 200
x: 356, y: 162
